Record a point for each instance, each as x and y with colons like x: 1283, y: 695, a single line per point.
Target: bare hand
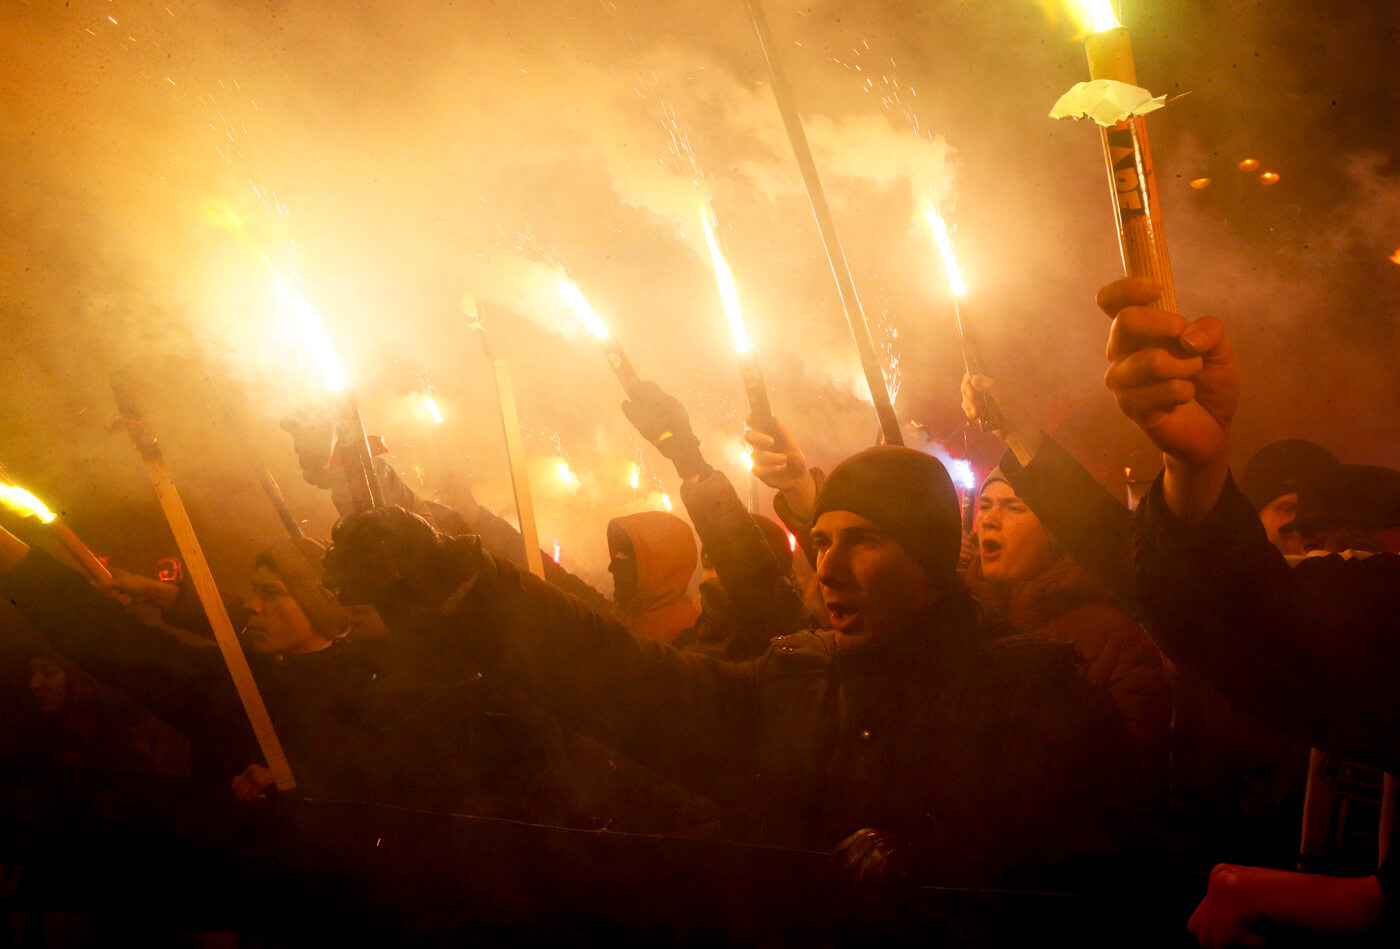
x: 1177, y: 379
x: 777, y: 462
x: 252, y: 783
x: 1240, y: 901
x: 128, y: 587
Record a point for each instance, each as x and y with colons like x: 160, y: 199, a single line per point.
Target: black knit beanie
x: 908, y: 495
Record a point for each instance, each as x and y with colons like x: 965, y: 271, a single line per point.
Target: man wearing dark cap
x: 906, y: 735
x: 1348, y: 508
x: 1271, y: 482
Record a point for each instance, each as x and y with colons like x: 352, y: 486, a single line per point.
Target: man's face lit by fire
x: 1278, y: 512
x: 276, y: 623
x: 1012, y: 541
x: 872, y: 587
x: 48, y: 685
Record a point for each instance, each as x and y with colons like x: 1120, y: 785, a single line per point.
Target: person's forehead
x: 832, y: 522
x: 999, y: 491
x: 266, y: 576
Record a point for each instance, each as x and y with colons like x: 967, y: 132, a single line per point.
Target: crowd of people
x: 1069, y: 696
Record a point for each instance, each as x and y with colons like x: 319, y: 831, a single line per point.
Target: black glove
x: 398, y: 562
x: 870, y: 858
x: 661, y: 420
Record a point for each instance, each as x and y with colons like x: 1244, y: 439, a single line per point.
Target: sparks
x: 431, y: 407
x: 1100, y: 15
x: 728, y: 292
x: 576, y: 301
x: 939, y: 227
x: 21, y: 501
x: 960, y: 469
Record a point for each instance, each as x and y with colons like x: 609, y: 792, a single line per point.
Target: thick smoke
x: 393, y: 160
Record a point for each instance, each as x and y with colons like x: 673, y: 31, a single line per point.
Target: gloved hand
x: 313, y: 434
x: 870, y: 859
x: 398, y: 562
x: 662, y: 420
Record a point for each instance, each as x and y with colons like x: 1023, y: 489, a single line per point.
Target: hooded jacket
x: 666, y: 558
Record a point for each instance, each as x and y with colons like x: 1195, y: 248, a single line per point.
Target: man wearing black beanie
x: 912, y: 741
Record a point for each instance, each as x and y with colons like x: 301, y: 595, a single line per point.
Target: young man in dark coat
x: 903, y: 737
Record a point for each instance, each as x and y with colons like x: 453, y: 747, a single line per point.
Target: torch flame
x: 1100, y: 15
x: 728, y: 292
x: 939, y: 227
x: 637, y: 473
x: 20, y: 500
x: 576, y: 301
x: 1395, y: 257
x: 316, y: 335
x: 960, y: 470
x: 666, y: 502
x: 431, y: 407
x: 565, y: 473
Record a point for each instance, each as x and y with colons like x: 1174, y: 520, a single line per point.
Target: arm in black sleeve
x: 684, y: 714
x: 188, y: 614
x: 1093, y: 525
x: 1312, y: 649
x: 186, y: 685
x: 763, y: 598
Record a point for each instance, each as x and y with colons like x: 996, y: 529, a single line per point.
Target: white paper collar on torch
x: 944, y: 240
x: 576, y: 301
x: 728, y: 292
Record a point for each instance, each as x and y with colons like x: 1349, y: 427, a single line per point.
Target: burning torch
x: 826, y: 225
x: 988, y: 415
x: 760, y: 411
x: 1113, y: 100
x: 21, y: 501
x: 578, y: 303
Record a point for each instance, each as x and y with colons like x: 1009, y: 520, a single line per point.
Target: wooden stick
x: 208, y: 591
x: 826, y: 225
x: 80, y: 551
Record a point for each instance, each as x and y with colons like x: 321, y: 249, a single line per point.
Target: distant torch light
x: 557, y: 550
x: 431, y: 407
x: 564, y: 472
x: 666, y: 502
x: 939, y: 227
x: 636, y: 478
x: 1200, y: 184
x: 792, y: 540
x: 1268, y: 178
x: 1249, y: 164
x: 1395, y: 257
x: 728, y: 292
x: 578, y: 303
x: 960, y: 469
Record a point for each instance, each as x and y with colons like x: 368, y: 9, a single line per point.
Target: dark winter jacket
x: 1065, y: 602
x: 1314, y: 649
x: 985, y: 757
x: 398, y: 721
x: 753, y: 598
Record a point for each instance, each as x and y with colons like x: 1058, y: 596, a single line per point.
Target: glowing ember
x: 1268, y: 178
x: 1200, y: 184
x: 941, y: 237
x: 431, y: 407
x: 1100, y: 15
x: 576, y: 301
x: 728, y: 292
x: 1249, y: 164
x: 17, y: 499
x: 666, y: 502
x: 962, y: 474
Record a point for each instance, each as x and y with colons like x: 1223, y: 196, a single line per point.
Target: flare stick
x: 25, y: 503
x: 1131, y: 176
x: 826, y: 225
x: 515, y: 453
x: 204, y: 585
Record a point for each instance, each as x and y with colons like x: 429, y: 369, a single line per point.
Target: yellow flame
x: 939, y: 228
x: 1269, y: 178
x: 1100, y: 15
x: 728, y: 292
x: 1249, y: 164
x: 565, y: 473
x: 20, y: 500
x: 637, y: 472
x: 316, y: 336
x: 666, y: 502
x: 576, y: 301
x: 431, y: 407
